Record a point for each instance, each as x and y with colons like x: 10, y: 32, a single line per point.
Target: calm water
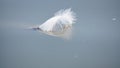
x: 95, y: 43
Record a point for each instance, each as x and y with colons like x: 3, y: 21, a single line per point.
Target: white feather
x: 60, y: 24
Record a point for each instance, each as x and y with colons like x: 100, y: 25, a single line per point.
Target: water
x: 95, y: 43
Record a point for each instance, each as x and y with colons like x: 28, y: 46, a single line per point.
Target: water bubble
x: 75, y: 56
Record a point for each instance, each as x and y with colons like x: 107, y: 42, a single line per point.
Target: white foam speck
x: 114, y: 19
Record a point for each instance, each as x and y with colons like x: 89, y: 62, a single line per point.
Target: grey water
x: 95, y: 42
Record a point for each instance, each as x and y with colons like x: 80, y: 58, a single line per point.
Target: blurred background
x: 95, y: 42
